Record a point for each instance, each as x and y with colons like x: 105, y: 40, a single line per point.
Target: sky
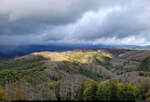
x: 60, y: 22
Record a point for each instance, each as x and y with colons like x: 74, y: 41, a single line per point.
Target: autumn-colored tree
x: 126, y: 91
x: 90, y: 91
x: 3, y: 95
x: 110, y: 90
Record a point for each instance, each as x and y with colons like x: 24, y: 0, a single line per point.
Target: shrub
x: 3, y: 95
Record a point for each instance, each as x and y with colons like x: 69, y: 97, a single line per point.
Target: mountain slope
x: 65, y: 70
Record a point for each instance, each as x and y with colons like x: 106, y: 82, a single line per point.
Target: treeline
x: 91, y: 90
x: 87, y: 91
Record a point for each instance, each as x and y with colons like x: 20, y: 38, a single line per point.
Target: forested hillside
x: 94, y: 74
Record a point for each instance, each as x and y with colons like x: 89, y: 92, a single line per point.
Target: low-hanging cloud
x: 74, y: 22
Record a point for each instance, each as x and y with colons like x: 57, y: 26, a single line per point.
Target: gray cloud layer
x: 74, y: 21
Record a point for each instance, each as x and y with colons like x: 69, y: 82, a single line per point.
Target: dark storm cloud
x: 18, y: 28
x: 28, y: 16
x: 119, y: 22
x: 74, y: 21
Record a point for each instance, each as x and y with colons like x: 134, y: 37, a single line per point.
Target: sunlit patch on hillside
x: 79, y: 56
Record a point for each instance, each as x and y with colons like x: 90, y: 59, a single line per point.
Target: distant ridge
x: 13, y: 51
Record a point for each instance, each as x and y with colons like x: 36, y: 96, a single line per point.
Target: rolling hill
x: 34, y: 76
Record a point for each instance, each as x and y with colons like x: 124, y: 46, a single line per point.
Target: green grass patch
x: 23, y: 69
x: 21, y: 63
